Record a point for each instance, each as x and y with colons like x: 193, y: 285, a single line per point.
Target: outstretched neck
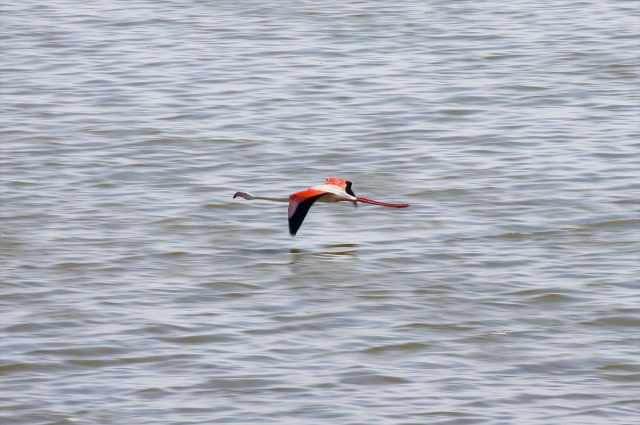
x: 271, y: 198
x: 248, y: 196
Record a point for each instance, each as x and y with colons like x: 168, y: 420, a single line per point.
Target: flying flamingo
x: 332, y: 190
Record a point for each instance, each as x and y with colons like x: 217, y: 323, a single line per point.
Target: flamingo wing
x: 348, y: 189
x: 342, y: 184
x: 299, y: 205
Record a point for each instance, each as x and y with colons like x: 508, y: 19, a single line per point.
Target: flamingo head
x: 245, y: 195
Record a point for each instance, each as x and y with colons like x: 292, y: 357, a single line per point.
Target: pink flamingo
x: 332, y: 190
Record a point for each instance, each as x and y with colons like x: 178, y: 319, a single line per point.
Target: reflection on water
x: 334, y: 257
x: 332, y: 251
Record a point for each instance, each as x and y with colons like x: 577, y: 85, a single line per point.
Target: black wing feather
x: 350, y: 192
x: 348, y: 189
x: 295, y: 221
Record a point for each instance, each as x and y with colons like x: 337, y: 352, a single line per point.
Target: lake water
x: 135, y: 290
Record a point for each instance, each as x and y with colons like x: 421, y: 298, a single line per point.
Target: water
x: 136, y: 290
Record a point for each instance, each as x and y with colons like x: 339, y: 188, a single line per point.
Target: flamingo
x: 332, y: 190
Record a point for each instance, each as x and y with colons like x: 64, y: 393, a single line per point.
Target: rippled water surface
x: 135, y: 290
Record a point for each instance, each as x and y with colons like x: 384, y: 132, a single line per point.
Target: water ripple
x: 136, y: 290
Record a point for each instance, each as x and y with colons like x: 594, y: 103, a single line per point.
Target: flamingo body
x: 332, y: 190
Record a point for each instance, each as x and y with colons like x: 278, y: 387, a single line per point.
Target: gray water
x: 135, y: 290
